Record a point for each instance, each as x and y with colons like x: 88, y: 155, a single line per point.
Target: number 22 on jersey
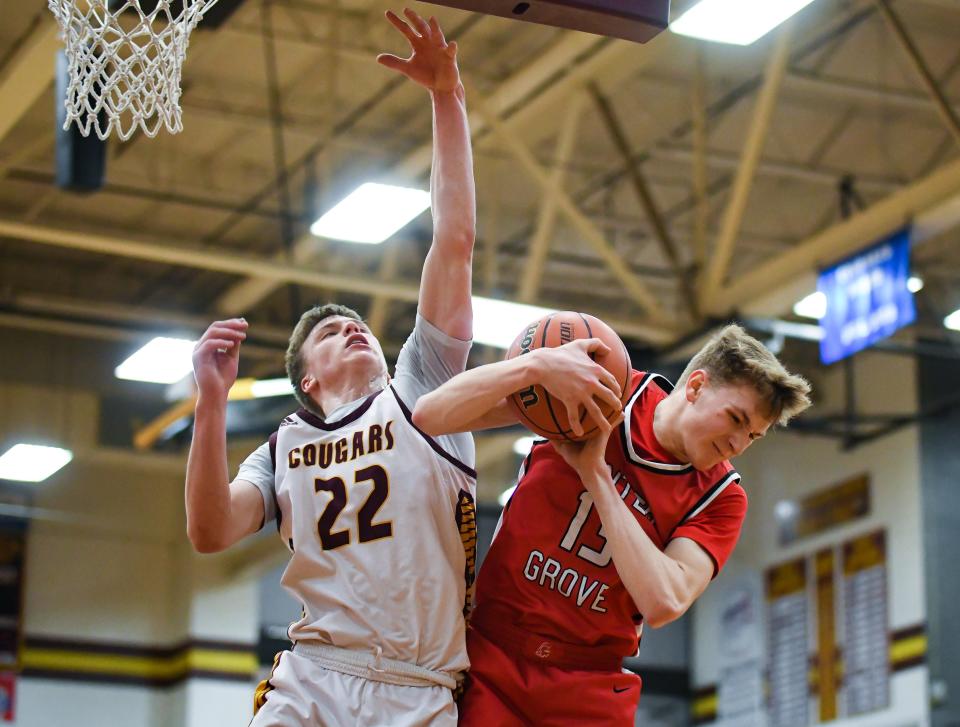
x: 367, y: 529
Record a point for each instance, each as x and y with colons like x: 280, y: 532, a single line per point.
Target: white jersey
x: 379, y: 517
x: 381, y: 523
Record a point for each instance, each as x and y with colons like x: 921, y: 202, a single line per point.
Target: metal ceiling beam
x: 634, y: 287
x: 540, y: 243
x: 823, y: 248
x: 380, y: 305
x: 225, y: 261
x: 521, y: 85
x: 949, y: 116
x: 716, y: 270
x: 778, y: 169
x: 69, y: 326
x: 645, y: 195
x: 847, y: 91
x: 491, y: 230
x: 203, y: 258
x: 611, y: 63
x: 133, y: 314
x: 28, y: 74
x: 701, y: 178
x: 523, y: 98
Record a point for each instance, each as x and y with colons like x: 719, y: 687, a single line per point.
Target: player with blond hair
x: 602, y: 537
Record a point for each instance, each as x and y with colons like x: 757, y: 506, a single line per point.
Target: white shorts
x: 301, y: 693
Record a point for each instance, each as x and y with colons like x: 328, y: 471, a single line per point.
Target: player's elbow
x: 205, y: 539
x: 426, y: 416
x: 665, y: 611
x: 458, y: 238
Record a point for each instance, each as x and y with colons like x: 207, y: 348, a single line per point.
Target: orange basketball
x: 535, y: 408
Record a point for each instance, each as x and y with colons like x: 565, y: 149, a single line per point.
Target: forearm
x: 656, y: 582
x: 445, y: 287
x: 207, y: 486
x: 476, y: 396
x: 453, y: 197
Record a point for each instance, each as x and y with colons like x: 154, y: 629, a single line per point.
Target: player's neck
x: 349, y: 389
x: 666, y: 428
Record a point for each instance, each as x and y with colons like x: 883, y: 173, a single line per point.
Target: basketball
x: 534, y: 406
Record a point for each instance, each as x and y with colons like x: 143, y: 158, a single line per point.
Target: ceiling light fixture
x: 498, y: 322
x: 32, y: 462
x: 739, y: 22
x: 371, y: 213
x: 161, y: 361
x: 812, y: 306
x: 952, y: 321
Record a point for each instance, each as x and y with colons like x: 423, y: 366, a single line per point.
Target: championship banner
x: 740, y: 694
x: 824, y: 509
x: 787, y: 619
x: 866, y: 677
x: 867, y: 298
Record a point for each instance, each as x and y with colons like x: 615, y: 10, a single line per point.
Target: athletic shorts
x: 507, y: 690
x: 301, y: 693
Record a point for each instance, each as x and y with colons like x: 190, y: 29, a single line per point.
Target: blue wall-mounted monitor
x: 867, y: 298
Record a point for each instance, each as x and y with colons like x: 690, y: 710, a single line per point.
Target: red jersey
x: 550, y: 566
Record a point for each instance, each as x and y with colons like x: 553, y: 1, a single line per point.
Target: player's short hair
x: 732, y: 356
x: 294, y: 361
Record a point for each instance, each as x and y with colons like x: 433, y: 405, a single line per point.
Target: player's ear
x: 309, y: 385
x: 695, y: 383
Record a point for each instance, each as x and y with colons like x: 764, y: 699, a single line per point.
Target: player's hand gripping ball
x: 546, y: 415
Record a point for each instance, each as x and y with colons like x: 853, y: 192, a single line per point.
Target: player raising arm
x: 604, y: 536
x: 378, y: 517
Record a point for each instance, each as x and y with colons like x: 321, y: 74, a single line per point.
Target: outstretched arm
x: 445, y: 285
x: 219, y: 512
x: 663, y: 584
x: 475, y: 399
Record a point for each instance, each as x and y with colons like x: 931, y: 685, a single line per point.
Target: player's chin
x: 706, y: 459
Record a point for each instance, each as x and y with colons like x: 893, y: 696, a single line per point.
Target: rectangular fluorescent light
x: 498, y: 322
x: 371, y: 213
x: 813, y: 306
x: 952, y: 321
x: 740, y: 22
x: 162, y: 361
x: 32, y: 462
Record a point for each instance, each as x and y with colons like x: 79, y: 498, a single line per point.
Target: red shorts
x: 510, y: 690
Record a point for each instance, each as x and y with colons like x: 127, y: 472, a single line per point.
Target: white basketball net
x: 125, y: 62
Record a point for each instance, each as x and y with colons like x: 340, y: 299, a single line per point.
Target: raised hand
x: 573, y: 377
x: 434, y: 61
x: 216, y: 357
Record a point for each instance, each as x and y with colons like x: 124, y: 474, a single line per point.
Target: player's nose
x: 738, y: 443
